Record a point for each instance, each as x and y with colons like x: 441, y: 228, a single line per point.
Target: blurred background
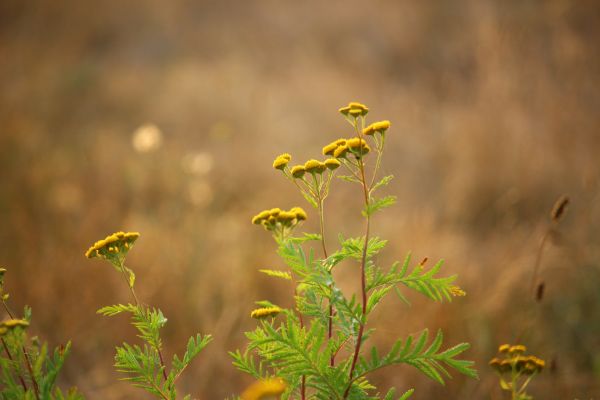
x: 164, y: 118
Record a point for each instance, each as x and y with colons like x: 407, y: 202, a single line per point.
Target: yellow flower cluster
x: 113, y: 245
x: 341, y: 147
x: 11, y: 324
x: 513, y: 360
x: 282, y: 161
x: 275, y: 218
x: 377, y: 127
x: 265, y: 312
x: 354, y: 109
x: 264, y: 389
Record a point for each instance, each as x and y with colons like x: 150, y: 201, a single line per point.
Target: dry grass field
x: 164, y: 118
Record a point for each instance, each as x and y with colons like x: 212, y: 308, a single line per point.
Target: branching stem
x: 11, y: 359
x: 36, y: 389
x: 363, y: 264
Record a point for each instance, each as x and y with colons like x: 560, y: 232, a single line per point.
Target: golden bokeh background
x: 164, y: 118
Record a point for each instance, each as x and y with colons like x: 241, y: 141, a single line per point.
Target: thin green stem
x: 379, y: 148
x: 139, y: 306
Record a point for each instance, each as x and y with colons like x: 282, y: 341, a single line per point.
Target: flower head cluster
x: 114, y: 247
x: 11, y: 324
x: 341, y: 147
x: 513, y: 360
x: 354, y: 109
x: 264, y: 389
x: 278, y: 220
x: 312, y: 166
x: 265, y: 312
x: 376, y: 127
x: 281, y: 161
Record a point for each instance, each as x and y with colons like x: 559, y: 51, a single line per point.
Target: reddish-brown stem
x: 36, y: 389
x: 162, y: 363
x: 11, y: 359
x: 363, y: 283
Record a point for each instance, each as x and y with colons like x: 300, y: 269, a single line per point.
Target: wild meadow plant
x: 318, y: 348
x: 144, y: 366
x: 516, y: 370
x: 29, y: 368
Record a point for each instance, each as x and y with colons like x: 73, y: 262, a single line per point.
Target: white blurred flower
x: 197, y: 163
x: 147, y: 138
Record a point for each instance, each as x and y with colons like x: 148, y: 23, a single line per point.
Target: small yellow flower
x: 11, y: 324
x: 112, y: 243
x: 329, y: 149
x: 341, y: 151
x: 380, y: 126
x: 496, y: 363
x: 358, y: 146
x: 368, y: 130
x: 517, y: 349
x: 314, y: 166
x: 300, y: 213
x: 265, y: 312
x: 281, y: 161
x: 260, y: 217
x: 355, y: 109
x: 286, y: 217
x: 344, y: 110
x: 332, y: 163
x: 298, y: 171
x: 504, y: 348
x: 263, y: 389
x: 360, y: 106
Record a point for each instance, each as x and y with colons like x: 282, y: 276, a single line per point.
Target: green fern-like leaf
x: 113, y: 310
x: 428, y: 360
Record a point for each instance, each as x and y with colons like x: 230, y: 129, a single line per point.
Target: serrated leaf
x: 407, y: 394
x: 382, y: 182
x: 109, y: 311
x: 379, y: 204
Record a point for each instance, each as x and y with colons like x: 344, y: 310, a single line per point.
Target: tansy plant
x: 29, y: 368
x: 319, y: 347
x: 144, y: 365
x: 516, y: 370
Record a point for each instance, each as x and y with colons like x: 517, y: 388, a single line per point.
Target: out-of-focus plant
x: 516, y: 370
x: 318, y: 348
x: 144, y: 365
x: 29, y: 368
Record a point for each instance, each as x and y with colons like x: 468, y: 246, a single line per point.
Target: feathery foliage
x: 29, y: 368
x: 144, y: 365
x: 318, y: 347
